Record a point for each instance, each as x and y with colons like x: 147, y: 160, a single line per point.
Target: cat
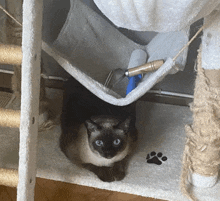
x: 96, y: 135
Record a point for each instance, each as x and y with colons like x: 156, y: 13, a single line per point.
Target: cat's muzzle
x: 109, y: 155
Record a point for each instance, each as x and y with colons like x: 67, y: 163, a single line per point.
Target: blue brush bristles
x: 133, y: 82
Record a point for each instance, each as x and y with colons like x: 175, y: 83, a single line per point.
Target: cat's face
x: 108, y: 136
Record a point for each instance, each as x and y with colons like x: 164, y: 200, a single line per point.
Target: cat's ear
x: 91, y: 126
x: 125, y: 125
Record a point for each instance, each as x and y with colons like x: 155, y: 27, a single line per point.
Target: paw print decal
x: 155, y: 158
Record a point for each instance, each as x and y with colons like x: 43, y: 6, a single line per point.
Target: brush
x: 119, y: 74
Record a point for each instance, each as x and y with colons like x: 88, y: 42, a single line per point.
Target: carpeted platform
x: 161, y: 129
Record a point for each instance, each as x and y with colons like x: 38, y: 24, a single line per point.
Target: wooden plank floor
x: 47, y: 190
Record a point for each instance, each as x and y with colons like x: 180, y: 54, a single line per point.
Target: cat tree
x: 69, y: 57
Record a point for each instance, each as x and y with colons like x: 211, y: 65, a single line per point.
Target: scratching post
x: 10, y: 54
x: 202, y: 150
x: 205, y: 131
x: 8, y: 177
x: 31, y: 48
x: 201, y: 156
x: 9, y: 118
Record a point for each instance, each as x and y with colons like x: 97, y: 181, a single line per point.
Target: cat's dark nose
x: 109, y: 155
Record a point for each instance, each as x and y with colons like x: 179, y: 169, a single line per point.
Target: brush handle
x: 148, y: 67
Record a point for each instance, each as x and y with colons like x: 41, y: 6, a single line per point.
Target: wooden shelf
x: 48, y: 190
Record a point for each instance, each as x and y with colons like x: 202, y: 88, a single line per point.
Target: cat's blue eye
x: 99, y: 143
x: 117, y: 142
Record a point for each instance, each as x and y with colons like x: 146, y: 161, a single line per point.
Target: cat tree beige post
x: 202, y: 151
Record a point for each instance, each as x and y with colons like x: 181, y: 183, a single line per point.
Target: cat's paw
x: 106, y: 177
x: 119, y: 176
x: 156, y: 158
x: 112, y: 175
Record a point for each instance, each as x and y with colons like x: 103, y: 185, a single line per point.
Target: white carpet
x: 161, y: 129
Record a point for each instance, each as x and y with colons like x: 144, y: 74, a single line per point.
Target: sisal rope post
x: 10, y: 54
x: 202, y: 148
x: 9, y: 118
x: 9, y: 177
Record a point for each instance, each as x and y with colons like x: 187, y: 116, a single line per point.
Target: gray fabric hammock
x: 88, y: 48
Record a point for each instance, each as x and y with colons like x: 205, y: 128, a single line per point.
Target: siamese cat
x: 96, y: 135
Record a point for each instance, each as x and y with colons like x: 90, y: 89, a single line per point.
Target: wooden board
x: 48, y: 190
